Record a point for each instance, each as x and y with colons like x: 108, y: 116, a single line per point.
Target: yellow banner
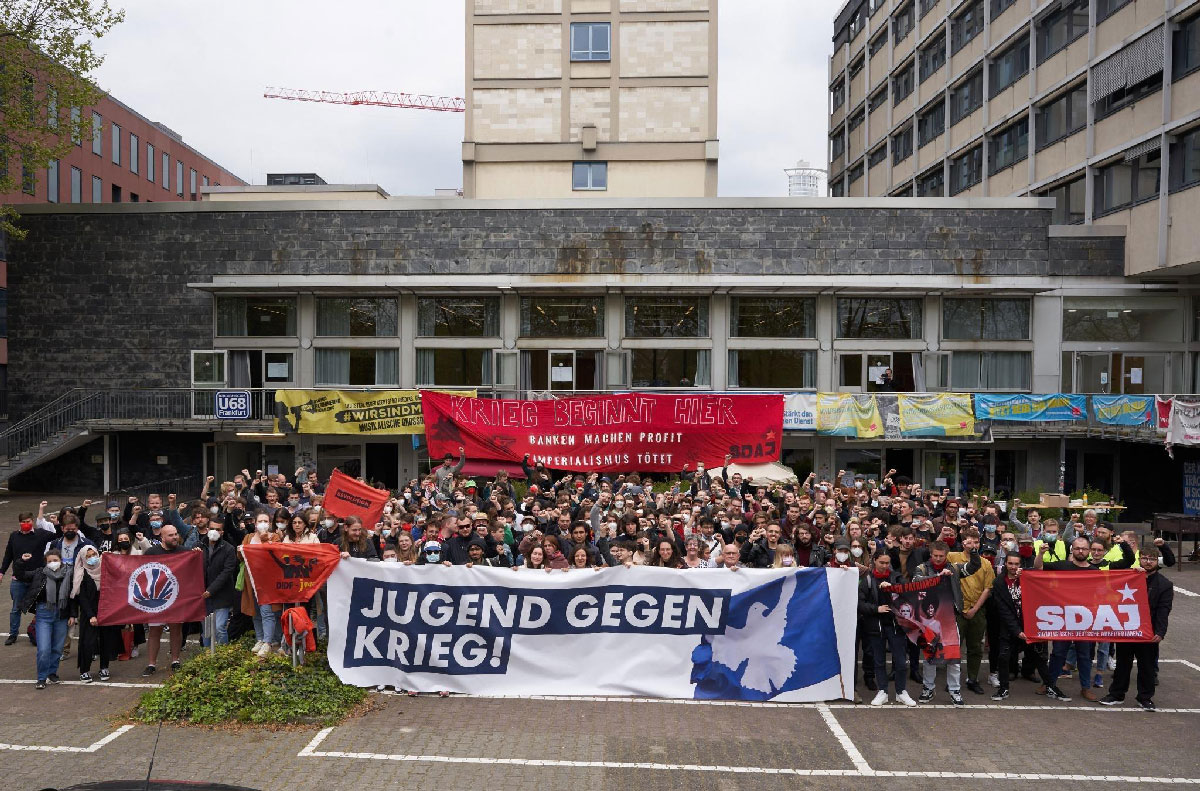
x: 847, y: 415
x: 940, y: 415
x: 348, y: 412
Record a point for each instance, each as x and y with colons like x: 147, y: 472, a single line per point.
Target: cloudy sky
x: 201, y: 67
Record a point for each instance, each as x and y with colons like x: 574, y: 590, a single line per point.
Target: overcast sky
x: 201, y: 67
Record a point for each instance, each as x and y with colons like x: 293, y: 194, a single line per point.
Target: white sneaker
x: 133, y: 652
x: 1112, y: 663
x: 994, y: 679
x: 257, y: 647
x: 265, y: 650
x: 880, y: 698
x: 905, y: 698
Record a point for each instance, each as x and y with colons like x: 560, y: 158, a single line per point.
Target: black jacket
x: 1162, y: 596
x: 918, y: 556
x: 36, y: 594
x: 34, y: 544
x: 220, y: 574
x: 870, y: 597
x: 1004, y: 610
x: 756, y: 554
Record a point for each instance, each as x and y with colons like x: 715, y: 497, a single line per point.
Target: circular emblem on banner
x: 152, y: 588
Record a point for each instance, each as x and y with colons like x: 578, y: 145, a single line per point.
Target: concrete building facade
x: 1095, y: 103
x: 590, y: 98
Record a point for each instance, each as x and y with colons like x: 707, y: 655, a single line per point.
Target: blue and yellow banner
x: 937, y: 415
x: 1124, y: 410
x: 1031, y: 408
x: 848, y: 415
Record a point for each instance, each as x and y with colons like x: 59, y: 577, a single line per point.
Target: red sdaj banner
x: 1096, y: 606
x: 151, y: 588
x: 288, y: 573
x: 647, y: 432
x: 925, y: 611
x: 346, y: 496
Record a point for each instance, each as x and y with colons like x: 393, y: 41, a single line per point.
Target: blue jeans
x: 1083, y: 658
x: 266, y: 625
x: 220, y: 627
x: 51, y: 634
x: 17, y: 590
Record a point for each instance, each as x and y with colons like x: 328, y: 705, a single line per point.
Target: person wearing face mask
x: 94, y: 639
x: 1050, y: 546
x: 331, y: 529
x: 267, y: 631
x: 989, y: 536
x: 49, y: 598
x: 220, y: 578
x: 24, y: 553
x: 71, y: 542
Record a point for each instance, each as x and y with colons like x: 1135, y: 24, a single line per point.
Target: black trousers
x: 102, y: 641
x: 1009, y: 646
x: 1146, y: 655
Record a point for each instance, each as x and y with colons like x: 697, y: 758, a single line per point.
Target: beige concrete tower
x: 580, y: 98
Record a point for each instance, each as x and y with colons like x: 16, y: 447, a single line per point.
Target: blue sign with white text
x: 232, y: 405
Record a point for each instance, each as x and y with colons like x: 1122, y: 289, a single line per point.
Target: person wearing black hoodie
x: 24, y: 553
x: 1161, y: 596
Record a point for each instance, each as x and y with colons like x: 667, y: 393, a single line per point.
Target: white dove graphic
x: 769, y: 663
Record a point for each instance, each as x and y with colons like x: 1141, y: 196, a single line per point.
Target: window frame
x: 530, y: 302
x: 591, y: 168
x: 1135, y: 167
x: 1015, y: 57
x: 905, y: 17
x: 976, y: 11
x: 1071, y: 124
x: 1020, y: 150
x: 972, y: 160
x: 808, y: 370
x: 972, y: 85
x: 1065, y: 205
x: 935, y: 175
x: 1062, y: 14
x: 97, y: 134
x: 1176, y: 181
x: 223, y: 354
x: 262, y: 299
x: 925, y: 136
x: 116, y: 143
x: 703, y: 305
x: 877, y: 156
x: 591, y: 54
x: 905, y: 77
x: 935, y: 50
x: 902, y: 144
x: 915, y: 320
x: 1179, y: 67
x: 995, y: 304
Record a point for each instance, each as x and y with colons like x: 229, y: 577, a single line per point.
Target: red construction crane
x: 415, y: 101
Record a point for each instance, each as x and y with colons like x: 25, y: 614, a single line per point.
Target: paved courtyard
x: 66, y: 735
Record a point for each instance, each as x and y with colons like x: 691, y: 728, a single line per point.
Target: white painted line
x: 97, y: 684
x: 91, y: 748
x: 844, y: 739
x: 1183, y: 662
x: 1186, y: 592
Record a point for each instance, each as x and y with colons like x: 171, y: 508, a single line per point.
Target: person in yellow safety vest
x: 1050, y: 546
x: 1113, y: 553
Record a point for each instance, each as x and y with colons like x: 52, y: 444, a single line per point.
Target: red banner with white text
x: 1094, y: 606
x: 346, y: 496
x: 288, y: 573
x: 647, y: 432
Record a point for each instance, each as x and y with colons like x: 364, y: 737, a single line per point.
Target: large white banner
x: 800, y: 412
x: 1183, y: 425
x: 751, y: 634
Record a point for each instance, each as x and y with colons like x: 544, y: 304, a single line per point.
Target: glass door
x: 1144, y: 373
x: 1093, y: 373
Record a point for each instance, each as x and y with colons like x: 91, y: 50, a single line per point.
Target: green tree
x: 47, y: 56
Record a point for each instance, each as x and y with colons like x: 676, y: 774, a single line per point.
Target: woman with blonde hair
x: 785, y: 556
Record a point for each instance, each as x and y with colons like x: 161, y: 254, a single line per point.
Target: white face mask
x: 389, y: 560
x: 856, y: 551
x: 54, y: 565
x: 1011, y: 546
x: 329, y: 523
x: 214, y: 510
x: 842, y: 557
x: 261, y: 527
x: 213, y: 535
x: 280, y: 525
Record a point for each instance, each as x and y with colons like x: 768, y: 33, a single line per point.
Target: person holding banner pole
x: 880, y: 627
x: 1010, y: 631
x: 938, y: 565
x: 168, y: 543
x: 1161, y: 596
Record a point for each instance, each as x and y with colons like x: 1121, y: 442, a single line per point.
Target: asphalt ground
x: 71, y: 733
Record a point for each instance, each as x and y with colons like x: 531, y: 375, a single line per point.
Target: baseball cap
x: 433, y: 546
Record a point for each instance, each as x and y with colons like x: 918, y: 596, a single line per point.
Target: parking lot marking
x: 91, y: 748
x: 96, y: 684
x: 844, y: 739
x: 1186, y: 592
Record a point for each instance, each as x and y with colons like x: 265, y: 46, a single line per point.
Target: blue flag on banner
x: 779, y: 637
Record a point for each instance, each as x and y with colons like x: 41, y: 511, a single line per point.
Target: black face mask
x: 122, y: 546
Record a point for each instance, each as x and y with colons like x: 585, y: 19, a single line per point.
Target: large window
x: 562, y: 317
x: 1185, y: 160
x: 837, y: 144
x: 1009, y: 146
x: 116, y: 144
x: 97, y: 134
x: 878, y: 43
x: 856, y: 120
x: 837, y: 93
x: 970, y: 371
x: 134, y: 151
x: 1127, y: 182
x: 966, y: 97
x: 773, y: 317
x: 454, y: 367
x: 150, y: 163
x: 179, y: 178
x: 879, y: 318
x: 1111, y: 319
x: 256, y: 317
x: 902, y: 145
x: 1106, y: 8
x: 966, y: 26
x: 52, y: 181
x: 933, y: 56
x: 1185, y: 48
x: 97, y: 189
x: 1124, y: 97
x: 666, y: 317
x: 902, y: 23
x: 589, y: 176
x: 902, y: 83
x: 166, y: 171
x: 1060, y: 27
x: 357, y: 367
x: 1009, y: 66
x: 985, y: 319
x: 931, y: 123
x: 966, y: 170
x: 591, y: 41
x: 669, y: 367
x: 998, y: 7
x: 356, y: 318
x: 208, y: 368
x: 1062, y: 117
x: 1069, y: 202
x: 932, y: 184
x: 782, y: 369
x: 76, y: 185
x: 878, y: 99
x: 877, y: 156
x: 458, y: 317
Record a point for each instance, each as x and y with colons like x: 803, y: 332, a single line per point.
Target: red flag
x: 1095, y: 606
x: 288, y: 573
x: 151, y: 588
x: 347, y: 497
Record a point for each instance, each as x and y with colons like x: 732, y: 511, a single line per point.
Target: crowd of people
x: 889, y: 531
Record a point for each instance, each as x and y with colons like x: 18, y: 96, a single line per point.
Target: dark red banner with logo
x: 288, y: 573
x: 151, y: 588
x: 925, y: 611
x: 652, y: 433
x: 346, y: 496
x: 1096, y: 606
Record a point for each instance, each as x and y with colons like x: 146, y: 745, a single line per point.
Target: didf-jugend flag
x: 167, y: 588
x: 346, y: 496
x: 288, y: 573
x: 1094, y: 606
